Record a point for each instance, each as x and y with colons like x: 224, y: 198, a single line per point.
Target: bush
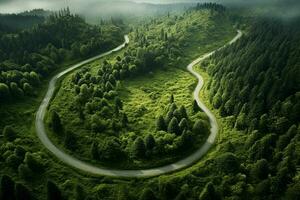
x: 209, y: 193
x: 9, y: 133
x: 161, y: 124
x: 138, y: 148
x: 147, y: 194
x: 56, y: 122
x: 33, y: 162
x: 200, y: 127
x: 260, y: 169
x: 173, y: 126
x: 13, y: 161
x: 110, y: 149
x: 227, y: 163
x: 149, y: 142
x: 24, y: 172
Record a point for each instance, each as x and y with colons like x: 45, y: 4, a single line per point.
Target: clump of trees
x: 32, y: 54
x: 255, y: 83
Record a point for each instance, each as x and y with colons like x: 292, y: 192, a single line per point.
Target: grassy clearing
x: 146, y: 96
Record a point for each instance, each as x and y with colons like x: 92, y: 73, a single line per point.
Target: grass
x: 145, y: 97
x: 160, y: 83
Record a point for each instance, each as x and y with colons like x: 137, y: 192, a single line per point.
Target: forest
x: 136, y: 109
x: 32, y: 54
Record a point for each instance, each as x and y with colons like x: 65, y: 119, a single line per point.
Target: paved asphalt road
x: 100, y: 171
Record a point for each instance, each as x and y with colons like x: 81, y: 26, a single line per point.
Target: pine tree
x: 173, y: 126
x: 149, y: 142
x: 56, y: 122
x: 53, y: 192
x: 138, y: 148
x: 195, y: 106
x: 161, y: 124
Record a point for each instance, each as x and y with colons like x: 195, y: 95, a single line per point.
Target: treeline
x: 34, y: 53
x: 211, y: 6
x: 255, y: 84
x: 97, y: 104
x: 14, y: 22
x: 100, y: 109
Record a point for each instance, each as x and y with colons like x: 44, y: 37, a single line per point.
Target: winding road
x: 102, y: 171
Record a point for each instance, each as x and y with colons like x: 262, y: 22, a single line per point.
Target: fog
x: 106, y: 8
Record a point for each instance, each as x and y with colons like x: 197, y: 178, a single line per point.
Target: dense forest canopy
x: 32, y: 54
x: 252, y: 86
x: 95, y: 100
x: 255, y: 85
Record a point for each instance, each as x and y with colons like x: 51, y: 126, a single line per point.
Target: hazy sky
x: 9, y: 6
x: 85, y: 6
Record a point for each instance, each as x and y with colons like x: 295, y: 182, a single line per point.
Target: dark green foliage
x: 4, y: 92
x: 260, y: 169
x: 79, y: 192
x: 118, y: 103
x: 209, y: 193
x: 147, y: 194
x: 263, y: 148
x: 173, y: 126
x: 263, y: 188
x: 24, y: 172
x: 20, y: 152
x: 149, y: 142
x: 167, y: 190
x: 199, y: 127
x: 138, y: 148
x: 22, y: 192
x: 171, y: 99
x: 70, y: 140
x: 53, y: 192
x: 186, y: 139
x: 9, y: 133
x: 161, y: 124
x: 34, y: 53
x: 7, y: 191
x: 33, y: 162
x: 56, y: 122
x: 15, y: 22
x: 183, y: 113
x: 293, y: 192
x: 195, y: 106
x: 124, y: 120
x: 13, y: 161
x: 183, y: 125
x: 110, y: 149
x: 227, y: 163
x: 94, y: 151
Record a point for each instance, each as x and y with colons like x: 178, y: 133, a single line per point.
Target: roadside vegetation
x: 134, y: 108
x: 147, y: 123
x: 254, y: 89
x: 31, y: 55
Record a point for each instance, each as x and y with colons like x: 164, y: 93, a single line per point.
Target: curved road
x: 100, y: 171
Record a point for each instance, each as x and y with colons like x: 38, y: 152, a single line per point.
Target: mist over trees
x: 30, y: 55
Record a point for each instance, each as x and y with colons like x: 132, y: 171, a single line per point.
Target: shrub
x: 138, y: 148
x: 227, y: 163
x: 161, y: 124
x: 173, y: 126
x: 9, y: 133
x: 149, y: 142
